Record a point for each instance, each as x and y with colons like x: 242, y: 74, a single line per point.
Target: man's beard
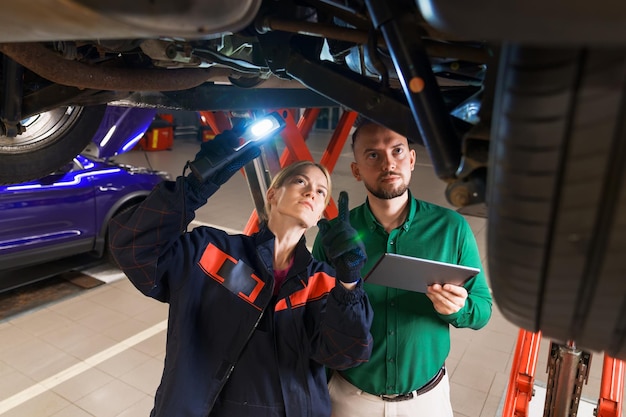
x: 384, y: 194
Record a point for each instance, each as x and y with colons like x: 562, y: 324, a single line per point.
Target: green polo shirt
x: 412, y: 340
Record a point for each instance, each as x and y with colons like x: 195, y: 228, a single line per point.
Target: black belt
x: 423, y: 390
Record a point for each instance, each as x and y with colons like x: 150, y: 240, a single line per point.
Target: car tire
x: 51, y: 139
x: 557, y: 197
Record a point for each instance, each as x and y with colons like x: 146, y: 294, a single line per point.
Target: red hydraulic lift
x: 568, y: 369
x: 294, y: 136
x: 522, y: 377
x: 611, y: 388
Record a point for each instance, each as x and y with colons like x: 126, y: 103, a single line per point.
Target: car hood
x: 105, y: 166
x: 119, y: 131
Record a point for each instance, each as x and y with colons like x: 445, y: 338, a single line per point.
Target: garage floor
x: 99, y: 352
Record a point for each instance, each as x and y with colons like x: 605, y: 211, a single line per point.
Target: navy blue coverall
x: 233, y: 348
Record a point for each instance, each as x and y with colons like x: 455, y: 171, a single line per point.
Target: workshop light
x: 257, y: 131
x: 263, y: 127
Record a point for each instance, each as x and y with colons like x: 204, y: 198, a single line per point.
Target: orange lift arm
x: 611, y: 388
x: 522, y: 377
x: 337, y: 141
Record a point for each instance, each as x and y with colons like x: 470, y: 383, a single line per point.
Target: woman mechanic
x: 253, y: 320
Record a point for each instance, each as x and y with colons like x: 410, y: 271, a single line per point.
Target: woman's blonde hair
x: 291, y: 171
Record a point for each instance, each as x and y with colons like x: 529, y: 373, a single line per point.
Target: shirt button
x: 391, y: 242
x: 391, y: 332
x: 390, y: 359
x: 392, y: 303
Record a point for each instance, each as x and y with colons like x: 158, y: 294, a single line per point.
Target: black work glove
x: 222, y: 147
x: 342, y: 244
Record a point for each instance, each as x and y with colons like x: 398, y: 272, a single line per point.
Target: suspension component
x: 568, y: 369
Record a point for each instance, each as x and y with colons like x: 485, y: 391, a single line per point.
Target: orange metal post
x: 304, y: 125
x: 307, y: 121
x: 611, y: 388
x: 522, y: 378
x: 218, y: 121
x: 296, y: 148
x: 338, y: 140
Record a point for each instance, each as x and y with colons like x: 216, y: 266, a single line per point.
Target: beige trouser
x: 349, y: 401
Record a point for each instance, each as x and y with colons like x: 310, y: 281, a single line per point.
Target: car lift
x: 294, y: 136
x: 568, y: 369
x: 568, y: 366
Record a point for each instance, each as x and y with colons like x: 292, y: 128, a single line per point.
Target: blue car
x: 66, y: 213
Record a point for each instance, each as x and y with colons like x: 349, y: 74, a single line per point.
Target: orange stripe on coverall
x: 319, y: 286
x: 233, y: 274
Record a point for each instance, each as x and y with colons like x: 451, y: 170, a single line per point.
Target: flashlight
x: 259, y: 130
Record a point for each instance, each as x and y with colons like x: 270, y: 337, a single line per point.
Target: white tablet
x: 415, y: 274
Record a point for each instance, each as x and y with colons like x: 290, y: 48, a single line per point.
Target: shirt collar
x: 413, y: 207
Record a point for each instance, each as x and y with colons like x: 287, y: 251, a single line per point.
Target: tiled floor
x: 100, y: 353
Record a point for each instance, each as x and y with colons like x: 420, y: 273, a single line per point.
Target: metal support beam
x: 356, y: 92
x: 611, y: 388
x: 568, y: 369
x: 522, y: 378
x: 210, y: 96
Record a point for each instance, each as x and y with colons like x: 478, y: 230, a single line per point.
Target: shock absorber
x: 397, y: 20
x: 568, y: 369
x: 12, y: 85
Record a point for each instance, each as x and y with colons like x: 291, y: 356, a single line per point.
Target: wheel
x: 556, y: 195
x: 51, y: 140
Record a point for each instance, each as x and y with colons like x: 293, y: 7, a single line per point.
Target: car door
x: 46, y: 219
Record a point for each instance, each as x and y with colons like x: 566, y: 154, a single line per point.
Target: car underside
x: 520, y: 106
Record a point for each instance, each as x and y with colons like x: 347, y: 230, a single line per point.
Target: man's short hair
x: 359, y: 123
x: 362, y: 121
